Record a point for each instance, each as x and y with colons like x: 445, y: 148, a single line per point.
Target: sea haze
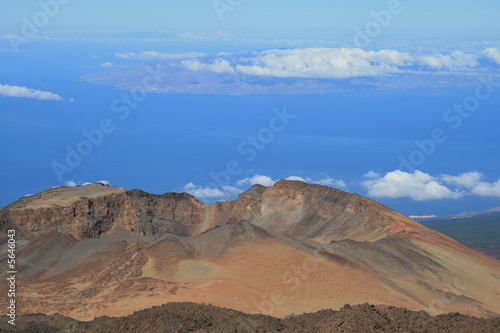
x: 168, y: 141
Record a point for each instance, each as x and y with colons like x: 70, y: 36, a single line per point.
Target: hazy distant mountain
x: 492, y: 211
x: 478, y: 230
x: 290, y: 248
x: 464, y: 215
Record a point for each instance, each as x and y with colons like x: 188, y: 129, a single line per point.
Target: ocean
x: 164, y: 142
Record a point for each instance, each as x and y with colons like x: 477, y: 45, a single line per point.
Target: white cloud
x: 456, y: 61
x: 324, y: 63
x: 190, y: 186
x: 371, y: 174
x: 230, y: 190
x: 332, y: 63
x: 421, y: 186
x: 418, y: 186
x: 484, y: 189
x: 268, y: 181
x: 72, y: 183
x: 469, y: 179
x: 204, y: 192
x: 106, y: 64
x: 24, y: 92
x: 327, y: 181
x: 493, y: 54
x: 156, y: 55
x: 257, y: 179
x: 296, y: 178
x: 472, y: 181
x: 217, y: 66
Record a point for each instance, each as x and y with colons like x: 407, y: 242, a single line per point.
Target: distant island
x: 295, y: 72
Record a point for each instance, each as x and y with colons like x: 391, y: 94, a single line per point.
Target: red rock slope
x: 291, y: 248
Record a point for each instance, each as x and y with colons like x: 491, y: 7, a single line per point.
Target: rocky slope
x: 292, y: 208
x: 290, y: 248
x: 189, y: 317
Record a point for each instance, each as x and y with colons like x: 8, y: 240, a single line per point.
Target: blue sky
x: 176, y: 142
x: 279, y: 16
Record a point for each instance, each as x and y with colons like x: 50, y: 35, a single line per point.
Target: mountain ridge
x: 293, y: 247
x: 79, y: 202
x: 463, y: 215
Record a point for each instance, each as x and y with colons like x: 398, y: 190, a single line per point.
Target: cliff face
x: 290, y: 248
x: 85, y: 212
x: 291, y: 208
x: 324, y: 214
x: 179, y: 214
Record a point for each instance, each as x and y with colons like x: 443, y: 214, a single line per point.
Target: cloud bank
x: 456, y: 61
x: 335, y: 63
x: 327, y: 181
x: 324, y: 63
x: 304, y: 71
x: 493, y: 54
x: 206, y: 192
x: 230, y: 192
x: 309, y: 63
x: 257, y: 179
x: 218, y: 66
x: 72, y: 183
x: 418, y: 186
x: 473, y: 182
x: 421, y: 186
x: 24, y: 92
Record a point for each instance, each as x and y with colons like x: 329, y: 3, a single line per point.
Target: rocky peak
x: 99, y: 247
x: 292, y: 208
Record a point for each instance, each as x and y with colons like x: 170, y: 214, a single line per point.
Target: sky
x: 280, y: 16
x: 406, y: 148
x: 231, y: 21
